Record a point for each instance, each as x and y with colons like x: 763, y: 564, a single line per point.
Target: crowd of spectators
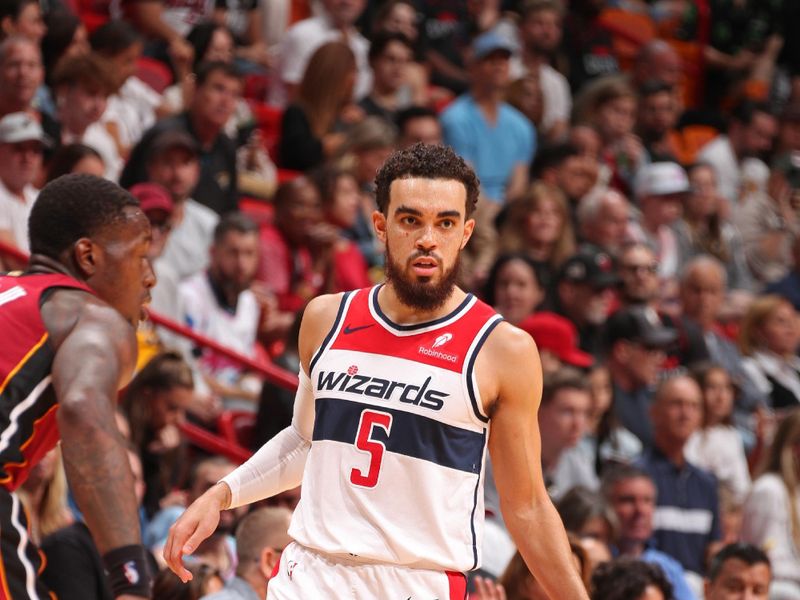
x: 639, y: 216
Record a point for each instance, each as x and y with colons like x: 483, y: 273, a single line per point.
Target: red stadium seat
x: 237, y: 427
x: 154, y: 73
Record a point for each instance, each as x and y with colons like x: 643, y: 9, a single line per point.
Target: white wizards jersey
x: 394, y: 473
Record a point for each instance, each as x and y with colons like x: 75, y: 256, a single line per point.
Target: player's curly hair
x: 72, y: 207
x: 429, y: 162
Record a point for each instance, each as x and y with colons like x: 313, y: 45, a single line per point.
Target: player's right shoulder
x: 68, y: 310
x: 318, y: 319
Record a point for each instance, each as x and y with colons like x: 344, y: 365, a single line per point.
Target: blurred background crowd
x: 640, y: 218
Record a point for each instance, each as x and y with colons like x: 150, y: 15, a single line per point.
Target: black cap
x: 594, y: 267
x: 174, y: 138
x: 639, y: 324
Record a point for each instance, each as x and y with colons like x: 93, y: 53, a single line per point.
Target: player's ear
x: 84, y: 255
x: 469, y: 227
x: 267, y: 560
x: 379, y: 223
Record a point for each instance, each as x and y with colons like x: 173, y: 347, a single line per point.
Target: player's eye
x: 408, y: 220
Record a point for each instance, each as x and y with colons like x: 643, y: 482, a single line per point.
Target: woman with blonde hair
x: 769, y: 339
x: 308, y: 133
x: 771, y: 517
x: 539, y: 226
x: 44, y: 495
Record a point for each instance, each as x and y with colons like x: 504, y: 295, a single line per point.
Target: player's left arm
x: 509, y: 363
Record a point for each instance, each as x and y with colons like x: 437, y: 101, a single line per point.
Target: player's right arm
x: 277, y: 466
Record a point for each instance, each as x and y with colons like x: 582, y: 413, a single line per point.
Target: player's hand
x: 486, y: 589
x: 198, y: 522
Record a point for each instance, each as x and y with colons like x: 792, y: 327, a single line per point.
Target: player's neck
x: 402, y: 313
x: 40, y: 263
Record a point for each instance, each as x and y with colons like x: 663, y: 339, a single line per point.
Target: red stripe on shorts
x: 458, y: 585
x: 276, y: 568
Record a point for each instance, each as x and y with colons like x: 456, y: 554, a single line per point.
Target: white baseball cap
x: 661, y: 179
x: 21, y: 127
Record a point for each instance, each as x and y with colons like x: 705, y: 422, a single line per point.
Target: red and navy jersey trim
x: 473, y: 398
x: 416, y: 326
x: 332, y: 332
x: 421, y: 437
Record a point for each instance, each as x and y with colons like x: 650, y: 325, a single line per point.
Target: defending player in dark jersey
x: 68, y: 344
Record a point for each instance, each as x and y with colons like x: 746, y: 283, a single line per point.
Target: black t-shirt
x: 216, y: 188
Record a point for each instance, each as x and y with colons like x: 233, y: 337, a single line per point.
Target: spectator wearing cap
x: 81, y: 86
x: 660, y: 190
x: 636, y: 343
x: 769, y: 221
x: 563, y: 421
x: 750, y: 135
x: 631, y: 494
x: 174, y: 164
x: 687, y: 507
x: 557, y: 341
x: 336, y: 22
x: 22, y: 142
x: 541, y: 29
x: 602, y: 218
x: 418, y: 124
x: 640, y: 285
x: 218, y: 88
x: 739, y: 571
x: 157, y: 205
x: 490, y: 134
x: 584, y: 293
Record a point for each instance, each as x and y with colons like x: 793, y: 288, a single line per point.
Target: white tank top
x: 394, y: 474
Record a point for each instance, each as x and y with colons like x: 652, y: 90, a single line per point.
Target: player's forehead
x: 131, y: 229
x: 427, y: 195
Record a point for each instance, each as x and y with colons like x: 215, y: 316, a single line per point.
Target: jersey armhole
x: 337, y: 322
x: 470, y: 379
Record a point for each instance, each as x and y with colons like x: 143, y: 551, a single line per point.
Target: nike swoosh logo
x: 348, y: 330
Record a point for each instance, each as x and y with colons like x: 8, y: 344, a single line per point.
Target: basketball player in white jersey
x: 403, y: 388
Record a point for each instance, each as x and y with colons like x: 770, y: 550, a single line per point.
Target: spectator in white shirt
x: 541, y: 31
x: 336, y: 23
x: 82, y: 85
x: 772, y: 511
x: 750, y: 135
x: 22, y: 142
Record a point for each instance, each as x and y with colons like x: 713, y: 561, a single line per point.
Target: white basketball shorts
x: 303, y: 574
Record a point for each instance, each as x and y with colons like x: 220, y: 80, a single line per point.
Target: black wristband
x: 128, y: 570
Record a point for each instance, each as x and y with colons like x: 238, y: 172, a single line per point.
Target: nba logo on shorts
x: 290, y: 568
x: 442, y: 340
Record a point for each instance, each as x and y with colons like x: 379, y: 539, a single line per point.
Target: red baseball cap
x: 558, y: 335
x: 152, y: 196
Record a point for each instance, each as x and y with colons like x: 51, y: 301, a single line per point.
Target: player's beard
x: 422, y: 295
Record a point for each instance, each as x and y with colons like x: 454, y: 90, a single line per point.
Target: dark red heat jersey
x: 28, y: 405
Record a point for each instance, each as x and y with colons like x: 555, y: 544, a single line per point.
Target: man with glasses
x: 640, y: 286
x: 636, y: 343
x: 22, y: 142
x: 260, y: 539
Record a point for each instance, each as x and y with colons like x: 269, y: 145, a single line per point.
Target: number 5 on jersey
x: 369, y: 421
